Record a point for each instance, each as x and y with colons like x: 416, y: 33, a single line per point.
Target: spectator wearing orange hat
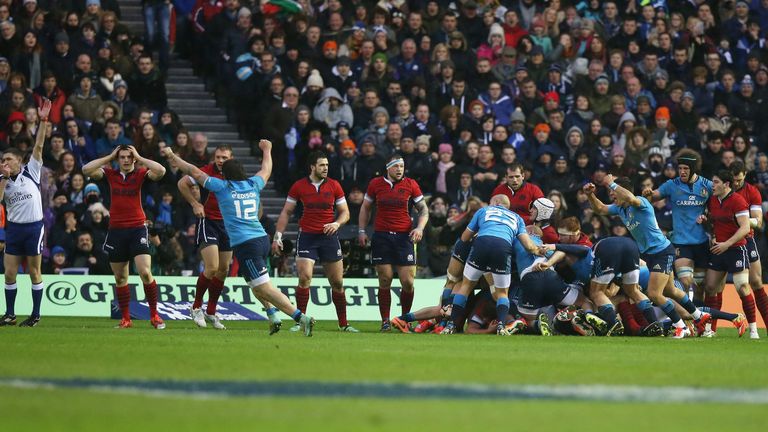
x: 551, y: 104
x: 344, y: 167
x: 529, y: 150
x: 666, y: 134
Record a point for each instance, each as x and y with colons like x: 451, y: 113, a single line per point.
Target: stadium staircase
x: 198, y: 111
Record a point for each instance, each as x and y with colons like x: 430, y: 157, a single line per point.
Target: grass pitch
x: 90, y: 348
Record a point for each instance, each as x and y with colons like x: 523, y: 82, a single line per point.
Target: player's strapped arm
x: 93, y: 169
x: 185, y: 167
x: 42, y: 131
x: 185, y: 188
x: 598, y: 206
x: 622, y: 193
x: 266, y: 161
x: 156, y: 170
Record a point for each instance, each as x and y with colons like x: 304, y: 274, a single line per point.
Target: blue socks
x: 608, y: 313
x: 409, y: 317
x: 646, y: 308
x: 502, y: 309
x: 687, y: 304
x: 457, y: 312
x: 10, y: 299
x: 669, y: 309
x: 37, y: 298
x: 718, y: 314
x: 296, y: 315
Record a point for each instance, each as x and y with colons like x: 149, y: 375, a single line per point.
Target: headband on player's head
x: 690, y: 161
x: 564, y: 231
x: 394, y: 162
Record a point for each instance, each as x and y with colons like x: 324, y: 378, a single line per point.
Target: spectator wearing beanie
x: 331, y: 109
x: 498, y: 103
x: 492, y: 49
x: 444, y: 164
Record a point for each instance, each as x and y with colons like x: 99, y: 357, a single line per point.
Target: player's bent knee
x: 741, y: 280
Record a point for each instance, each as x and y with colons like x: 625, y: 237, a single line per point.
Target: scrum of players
x: 630, y: 286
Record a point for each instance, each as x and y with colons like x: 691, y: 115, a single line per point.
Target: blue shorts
x: 252, y: 255
x: 752, y: 252
x: 541, y: 289
x: 212, y: 232
x: 698, y: 253
x: 615, y: 255
x: 392, y: 248
x: 123, y: 244
x: 660, y: 262
x: 24, y: 239
x: 461, y: 250
x: 491, y: 254
x: 318, y: 247
x: 734, y: 260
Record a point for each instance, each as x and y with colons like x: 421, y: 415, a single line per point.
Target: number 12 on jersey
x: 246, y: 209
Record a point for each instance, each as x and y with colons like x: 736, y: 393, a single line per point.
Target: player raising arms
x: 687, y: 194
x: 20, y: 188
x: 318, y: 234
x: 213, y: 241
x: 728, y: 214
x: 128, y: 237
x: 752, y: 196
x: 392, y: 244
x: 638, y: 216
x: 238, y: 197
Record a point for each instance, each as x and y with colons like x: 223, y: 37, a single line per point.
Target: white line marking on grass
x: 227, y: 389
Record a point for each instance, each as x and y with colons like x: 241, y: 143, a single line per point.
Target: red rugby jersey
x: 752, y: 196
x: 211, y: 204
x: 319, y: 201
x: 520, y: 200
x: 125, y: 211
x: 550, y: 235
x: 392, y: 201
x: 722, y: 215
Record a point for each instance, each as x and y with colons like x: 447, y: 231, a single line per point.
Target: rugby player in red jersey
x: 318, y: 238
x: 541, y: 213
x: 212, y: 239
x: 392, y: 243
x: 520, y: 193
x: 569, y: 231
x: 728, y: 213
x: 128, y: 237
x: 753, y: 198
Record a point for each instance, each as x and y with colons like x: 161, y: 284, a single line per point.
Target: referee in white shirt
x: 20, y: 188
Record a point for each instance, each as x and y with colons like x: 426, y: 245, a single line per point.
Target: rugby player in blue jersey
x: 637, y: 214
x: 687, y: 194
x: 497, y: 229
x: 239, y: 197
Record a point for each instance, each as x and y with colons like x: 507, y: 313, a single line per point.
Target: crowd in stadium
x: 462, y: 90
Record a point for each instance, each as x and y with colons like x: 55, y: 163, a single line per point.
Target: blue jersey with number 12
x: 498, y: 222
x: 239, y: 204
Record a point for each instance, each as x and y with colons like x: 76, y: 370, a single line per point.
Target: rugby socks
x: 296, y: 315
x: 385, y: 301
x: 406, y: 301
x: 409, y: 317
x: 457, y: 312
x: 689, y: 307
x: 713, y: 303
x: 761, y: 300
x: 718, y: 314
x: 669, y: 309
x: 628, y: 318
x: 748, y: 303
x: 150, y: 292
x: 639, y: 317
x: 200, y: 288
x: 502, y: 309
x: 10, y: 299
x: 340, y: 302
x: 124, y: 300
x: 646, y: 308
x: 37, y: 298
x: 608, y: 313
x: 214, y: 292
x: 302, y: 298
x: 446, y: 298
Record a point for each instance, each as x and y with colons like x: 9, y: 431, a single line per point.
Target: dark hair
x: 738, y: 167
x: 16, y: 152
x: 315, y: 156
x: 220, y: 147
x: 625, y: 182
x: 715, y: 135
x: 233, y: 170
x: 112, y: 121
x: 515, y: 166
x: 725, y: 176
